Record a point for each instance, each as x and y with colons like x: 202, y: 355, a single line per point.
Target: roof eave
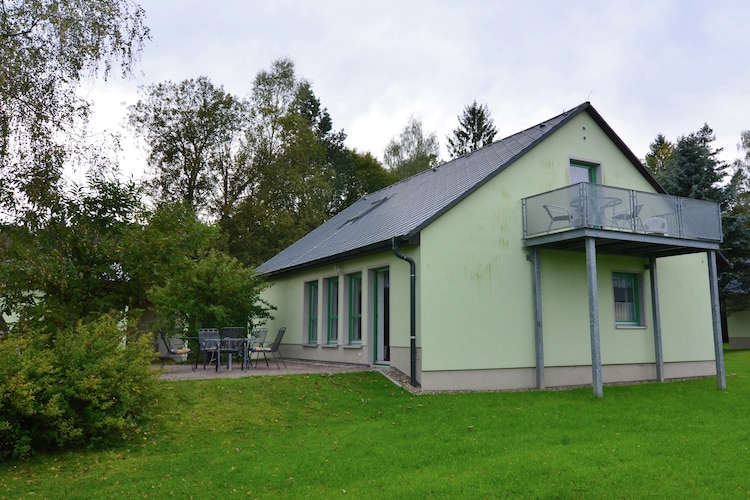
x: 505, y: 165
x: 334, y: 259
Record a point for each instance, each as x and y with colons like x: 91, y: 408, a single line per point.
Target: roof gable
x: 405, y: 208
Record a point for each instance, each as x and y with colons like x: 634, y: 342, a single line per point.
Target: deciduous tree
x: 66, y: 264
x: 412, y: 151
x: 47, y: 47
x: 659, y: 155
x: 286, y: 149
x: 192, y: 130
x: 358, y: 174
x: 210, y: 291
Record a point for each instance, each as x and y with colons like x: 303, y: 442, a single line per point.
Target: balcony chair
x: 557, y: 214
x: 655, y: 225
x: 631, y: 217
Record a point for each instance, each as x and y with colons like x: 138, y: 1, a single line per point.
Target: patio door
x: 381, y: 316
x: 583, y: 172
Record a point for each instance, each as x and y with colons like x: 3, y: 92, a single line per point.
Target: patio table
x: 240, y: 345
x: 599, y: 204
x: 229, y: 346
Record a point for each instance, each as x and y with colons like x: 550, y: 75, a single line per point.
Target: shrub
x: 85, y: 387
x: 212, y: 291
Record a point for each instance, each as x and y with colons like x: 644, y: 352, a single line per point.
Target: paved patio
x: 184, y: 371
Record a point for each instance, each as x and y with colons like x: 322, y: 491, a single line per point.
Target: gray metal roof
x: 403, y: 209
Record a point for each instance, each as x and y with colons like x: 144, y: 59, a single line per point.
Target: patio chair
x: 631, y: 217
x: 655, y: 225
x: 258, y: 337
x: 557, y: 214
x: 176, y: 346
x: 233, y: 342
x: 208, y: 343
x: 273, y: 350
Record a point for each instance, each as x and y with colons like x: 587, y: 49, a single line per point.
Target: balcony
x: 624, y: 221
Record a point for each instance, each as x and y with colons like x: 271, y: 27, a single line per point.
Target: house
x: 737, y: 326
x: 529, y: 263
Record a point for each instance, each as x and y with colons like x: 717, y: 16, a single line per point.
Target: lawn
x: 359, y: 435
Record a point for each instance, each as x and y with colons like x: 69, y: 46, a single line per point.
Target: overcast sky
x: 648, y: 67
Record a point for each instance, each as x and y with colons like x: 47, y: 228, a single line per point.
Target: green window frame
x: 627, y: 296
x: 355, y: 308
x: 591, y: 172
x: 312, y: 312
x: 332, y: 285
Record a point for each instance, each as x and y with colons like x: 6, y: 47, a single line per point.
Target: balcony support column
x: 721, y: 380
x: 656, y: 314
x: 536, y: 270
x: 596, y: 356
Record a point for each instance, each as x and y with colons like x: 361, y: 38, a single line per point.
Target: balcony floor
x: 616, y: 242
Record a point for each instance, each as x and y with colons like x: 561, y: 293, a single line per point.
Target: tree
x: 736, y: 225
x: 659, y: 155
x: 286, y: 149
x: 357, y: 174
x: 413, y: 151
x: 475, y: 130
x: 47, y: 47
x: 65, y: 262
x: 694, y: 170
x: 192, y: 129
x: 94, y: 249
x: 210, y: 291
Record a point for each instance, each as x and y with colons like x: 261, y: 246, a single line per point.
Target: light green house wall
x: 288, y: 295
x: 476, y: 280
x: 475, y: 318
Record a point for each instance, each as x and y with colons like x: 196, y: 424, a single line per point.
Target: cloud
x: 657, y: 66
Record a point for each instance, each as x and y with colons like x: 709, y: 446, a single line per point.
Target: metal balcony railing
x: 609, y: 208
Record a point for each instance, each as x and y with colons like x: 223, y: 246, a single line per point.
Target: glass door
x: 382, y: 310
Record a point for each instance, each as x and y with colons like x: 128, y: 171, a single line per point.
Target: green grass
x: 358, y: 435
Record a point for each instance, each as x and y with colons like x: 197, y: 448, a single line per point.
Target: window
x: 355, y: 308
x: 627, y: 299
x: 312, y: 312
x: 581, y: 171
x: 332, y: 308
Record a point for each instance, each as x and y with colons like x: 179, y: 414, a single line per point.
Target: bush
x: 85, y: 387
x: 212, y: 291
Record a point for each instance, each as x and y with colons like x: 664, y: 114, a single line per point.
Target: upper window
x: 627, y: 299
x: 581, y: 171
x: 311, y: 290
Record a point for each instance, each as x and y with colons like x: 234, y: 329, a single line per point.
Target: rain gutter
x: 412, y: 310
